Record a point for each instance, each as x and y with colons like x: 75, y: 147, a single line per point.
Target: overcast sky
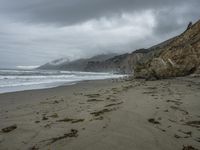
x: 33, y: 32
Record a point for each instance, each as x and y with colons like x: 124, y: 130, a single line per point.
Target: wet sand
x: 104, y: 115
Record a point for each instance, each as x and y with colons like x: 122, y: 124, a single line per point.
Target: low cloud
x: 35, y: 32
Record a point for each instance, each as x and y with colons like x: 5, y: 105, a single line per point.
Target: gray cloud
x: 76, y: 11
x: 175, y: 19
x: 34, y: 32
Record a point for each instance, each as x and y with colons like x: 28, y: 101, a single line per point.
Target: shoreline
x: 60, y: 85
x: 104, y: 114
x: 21, y: 80
x: 48, y: 88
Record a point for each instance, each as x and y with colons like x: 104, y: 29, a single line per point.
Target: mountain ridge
x: 75, y: 65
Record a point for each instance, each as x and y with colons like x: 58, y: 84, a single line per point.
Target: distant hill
x: 120, y: 64
x: 54, y: 64
x: 76, y: 65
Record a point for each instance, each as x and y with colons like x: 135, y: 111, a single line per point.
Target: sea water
x: 18, y: 80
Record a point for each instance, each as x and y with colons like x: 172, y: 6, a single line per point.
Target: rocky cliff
x: 120, y: 64
x: 178, y: 56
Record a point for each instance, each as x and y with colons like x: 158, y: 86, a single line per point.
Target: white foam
x: 27, y: 67
x: 14, y: 80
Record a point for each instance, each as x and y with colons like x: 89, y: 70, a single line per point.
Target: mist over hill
x: 76, y: 65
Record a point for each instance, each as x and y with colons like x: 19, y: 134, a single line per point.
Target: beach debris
x: 166, y: 110
x: 113, y: 104
x: 175, y: 102
x: 179, y: 109
x: 77, y: 120
x: 193, y: 123
x: 98, y: 118
x: 177, y: 136
x: 55, y: 102
x: 150, y: 92
x: 108, y: 98
x: 55, y: 115
x: 9, y: 129
x: 71, y: 120
x: 44, y: 118
x: 163, y: 130
x: 152, y: 120
x: 94, y: 100
x: 34, y: 148
x: 65, y: 120
x: 172, y: 120
x: 189, y: 147
x: 72, y: 133
x: 98, y: 113
x: 189, y: 133
x: 92, y: 95
x: 37, y: 121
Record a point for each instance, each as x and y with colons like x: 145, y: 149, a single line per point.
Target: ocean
x: 12, y: 80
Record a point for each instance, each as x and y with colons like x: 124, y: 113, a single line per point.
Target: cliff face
x: 120, y: 64
x: 179, y: 56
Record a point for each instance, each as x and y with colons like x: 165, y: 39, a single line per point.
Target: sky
x: 38, y: 31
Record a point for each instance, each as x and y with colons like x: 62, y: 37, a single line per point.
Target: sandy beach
x: 104, y: 115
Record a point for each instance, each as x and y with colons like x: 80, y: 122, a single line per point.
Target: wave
x: 27, y: 79
x: 27, y: 67
x: 35, y: 77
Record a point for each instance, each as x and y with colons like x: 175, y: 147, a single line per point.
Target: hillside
x: 178, y: 56
x: 76, y: 65
x: 120, y: 64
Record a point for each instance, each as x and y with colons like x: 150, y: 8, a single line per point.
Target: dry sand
x: 104, y: 115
